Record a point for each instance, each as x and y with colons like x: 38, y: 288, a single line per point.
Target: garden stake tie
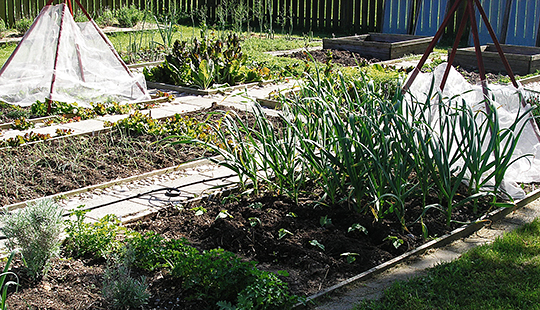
x: 469, y: 12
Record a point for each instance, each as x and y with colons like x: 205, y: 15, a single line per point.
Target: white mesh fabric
x: 87, y: 67
x: 507, y: 99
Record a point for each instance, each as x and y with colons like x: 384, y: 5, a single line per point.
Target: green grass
x: 253, y: 45
x: 502, y: 275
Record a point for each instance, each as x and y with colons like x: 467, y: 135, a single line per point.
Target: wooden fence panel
x: 523, y: 27
x: 430, y: 17
x: 495, y: 11
x: 350, y: 16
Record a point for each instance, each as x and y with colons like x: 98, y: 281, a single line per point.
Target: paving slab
x: 88, y: 125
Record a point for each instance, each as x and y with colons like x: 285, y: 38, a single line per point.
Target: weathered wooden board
x: 382, y: 46
x: 523, y: 59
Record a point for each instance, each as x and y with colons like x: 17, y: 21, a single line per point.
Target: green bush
x: 216, y: 275
x: 106, y: 18
x: 22, y: 25
x: 36, y: 231
x: 129, y: 16
x: 98, y: 239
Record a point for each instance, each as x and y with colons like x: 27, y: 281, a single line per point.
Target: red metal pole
x: 497, y: 45
x: 428, y: 51
x: 477, y: 48
x: 454, y: 48
x: 56, y: 59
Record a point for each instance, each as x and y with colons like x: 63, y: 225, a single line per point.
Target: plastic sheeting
x: 508, y: 103
x: 61, y: 60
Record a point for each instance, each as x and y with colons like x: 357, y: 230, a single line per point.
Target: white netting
x: 87, y: 67
x: 507, y: 100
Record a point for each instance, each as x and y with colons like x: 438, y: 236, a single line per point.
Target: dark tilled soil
x: 343, y: 58
x: 76, y: 284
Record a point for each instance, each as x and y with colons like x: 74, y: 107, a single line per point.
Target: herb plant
x: 35, y: 230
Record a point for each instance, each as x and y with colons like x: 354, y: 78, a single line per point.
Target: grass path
x: 502, y: 275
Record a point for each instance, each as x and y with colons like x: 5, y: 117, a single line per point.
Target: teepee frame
x: 69, y: 5
x: 468, y: 14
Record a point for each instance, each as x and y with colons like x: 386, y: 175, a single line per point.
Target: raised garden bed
x: 380, y: 45
x: 51, y: 167
x: 522, y: 59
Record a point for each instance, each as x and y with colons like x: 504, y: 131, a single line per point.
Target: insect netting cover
x: 511, y: 115
x: 61, y: 60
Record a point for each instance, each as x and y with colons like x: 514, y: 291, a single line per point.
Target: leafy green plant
x: 205, y: 63
x: 27, y: 137
x: 22, y: 124
x: 350, y: 257
x: 36, y: 231
x: 266, y: 292
x: 358, y: 227
x: 396, y: 242
x: 22, y: 25
x: 128, y: 16
x: 97, y: 240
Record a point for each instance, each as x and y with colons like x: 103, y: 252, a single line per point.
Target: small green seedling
x: 317, y: 244
x: 358, y: 227
x: 283, y: 232
x: 325, y: 221
x: 254, y: 221
x: 223, y: 214
x: 350, y: 256
x: 396, y: 242
x: 199, y: 210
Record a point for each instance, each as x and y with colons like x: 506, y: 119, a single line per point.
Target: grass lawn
x: 502, y: 275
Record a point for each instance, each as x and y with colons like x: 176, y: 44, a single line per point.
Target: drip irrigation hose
x: 170, y: 192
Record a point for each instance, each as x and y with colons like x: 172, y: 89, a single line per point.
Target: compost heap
x: 61, y: 60
x: 506, y: 99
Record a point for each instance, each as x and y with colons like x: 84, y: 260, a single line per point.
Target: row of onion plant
x: 370, y: 151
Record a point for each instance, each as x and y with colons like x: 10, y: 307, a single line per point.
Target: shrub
x: 36, y: 231
x: 123, y: 291
x: 129, y: 16
x: 22, y: 25
x: 106, y: 18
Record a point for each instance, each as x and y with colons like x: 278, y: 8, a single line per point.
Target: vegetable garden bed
x: 380, y: 45
x: 340, y: 183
